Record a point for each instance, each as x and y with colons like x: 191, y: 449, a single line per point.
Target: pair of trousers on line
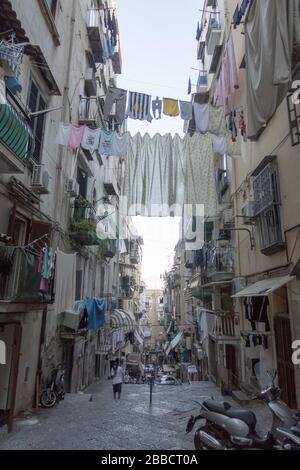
x: 118, y: 96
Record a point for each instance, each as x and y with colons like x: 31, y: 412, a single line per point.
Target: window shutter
x: 38, y: 229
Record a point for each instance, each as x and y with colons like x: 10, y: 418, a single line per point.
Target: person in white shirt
x: 117, y: 380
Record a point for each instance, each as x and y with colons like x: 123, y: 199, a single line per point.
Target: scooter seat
x: 226, y: 409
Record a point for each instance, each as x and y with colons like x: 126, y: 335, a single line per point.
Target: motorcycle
x: 229, y: 428
x: 54, y: 390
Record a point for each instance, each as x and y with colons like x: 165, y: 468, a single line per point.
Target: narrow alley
x: 94, y: 421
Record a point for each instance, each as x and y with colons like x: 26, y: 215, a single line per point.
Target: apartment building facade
x: 250, y: 279
x: 55, y: 70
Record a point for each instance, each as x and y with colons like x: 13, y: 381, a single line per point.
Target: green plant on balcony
x: 83, y: 232
x: 107, y: 248
x: 83, y: 203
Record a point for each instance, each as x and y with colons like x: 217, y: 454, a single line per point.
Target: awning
x: 138, y: 338
x: 15, y: 132
x: 175, y: 341
x: 169, y: 327
x: 264, y: 287
x: 122, y: 319
x: 131, y: 319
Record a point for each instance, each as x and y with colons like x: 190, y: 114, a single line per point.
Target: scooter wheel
x: 48, y: 399
x: 197, y: 442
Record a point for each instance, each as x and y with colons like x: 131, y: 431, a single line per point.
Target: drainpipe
x: 64, y: 114
x: 242, y: 325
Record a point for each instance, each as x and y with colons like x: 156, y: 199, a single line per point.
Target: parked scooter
x: 55, y: 390
x: 226, y: 427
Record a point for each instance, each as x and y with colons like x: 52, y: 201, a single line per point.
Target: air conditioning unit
x: 238, y: 284
x: 248, y: 213
x: 73, y: 188
x: 40, y: 180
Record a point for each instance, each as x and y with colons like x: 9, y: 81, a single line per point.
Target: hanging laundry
x: 63, y: 134
x: 171, y: 107
x: 217, y: 124
x: 157, y: 108
x: 154, y: 175
x: 228, y: 80
x: 232, y: 71
x: 76, y: 136
x: 41, y: 259
x: 119, y: 145
x: 139, y: 106
x: 200, y: 187
x: 233, y: 148
x: 189, y: 86
x: 201, y: 112
x: 237, y: 17
x: 118, y: 96
x: 96, y: 312
x: 105, y: 142
x: 242, y: 125
x: 232, y: 125
x: 219, y: 144
x: 198, y: 33
x: 90, y: 139
x: 186, y: 110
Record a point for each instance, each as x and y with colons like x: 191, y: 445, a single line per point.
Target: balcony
x: 110, y: 182
x: 19, y: 277
x: 220, y: 263
x: 225, y: 328
x: 90, y: 82
x: 214, y: 32
x: 117, y: 59
x: 95, y: 33
x: 16, y: 137
x: 108, y: 247
x: 201, y: 51
x: 90, y: 112
x: 83, y: 224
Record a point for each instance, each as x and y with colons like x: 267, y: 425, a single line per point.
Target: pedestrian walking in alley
x: 117, y: 380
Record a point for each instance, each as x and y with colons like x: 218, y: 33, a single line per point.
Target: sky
x: 158, y: 48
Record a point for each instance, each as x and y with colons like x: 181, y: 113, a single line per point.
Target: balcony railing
x: 19, y: 277
x: 220, y: 263
x: 224, y: 327
x: 213, y: 34
x: 90, y: 111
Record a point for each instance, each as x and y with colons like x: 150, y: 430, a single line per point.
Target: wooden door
x: 285, y: 367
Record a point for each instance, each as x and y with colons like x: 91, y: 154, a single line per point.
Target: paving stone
x: 95, y: 421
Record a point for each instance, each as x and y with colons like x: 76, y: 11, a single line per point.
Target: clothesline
x: 36, y: 243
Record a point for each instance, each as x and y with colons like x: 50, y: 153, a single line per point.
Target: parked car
x: 168, y: 380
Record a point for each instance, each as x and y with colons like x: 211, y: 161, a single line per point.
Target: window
x: 36, y: 102
x: 78, y: 288
x: 267, y: 206
x: 82, y: 179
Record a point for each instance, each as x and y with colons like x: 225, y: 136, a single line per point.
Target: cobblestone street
x: 93, y: 421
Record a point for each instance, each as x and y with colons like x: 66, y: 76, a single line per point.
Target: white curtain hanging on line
x: 163, y: 173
